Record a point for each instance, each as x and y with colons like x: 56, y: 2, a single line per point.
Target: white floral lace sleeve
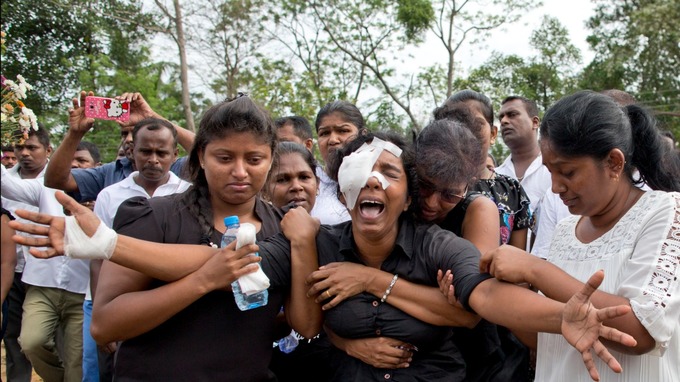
x: 650, y: 277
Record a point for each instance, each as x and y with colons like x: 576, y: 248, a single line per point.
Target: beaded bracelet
x: 389, y: 288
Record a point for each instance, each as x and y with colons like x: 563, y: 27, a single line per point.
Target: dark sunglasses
x: 427, y: 189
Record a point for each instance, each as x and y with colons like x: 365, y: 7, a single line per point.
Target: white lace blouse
x: 640, y: 256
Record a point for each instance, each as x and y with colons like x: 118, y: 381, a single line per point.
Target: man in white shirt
x: 54, y: 289
x: 154, y: 151
x: 519, y: 128
x: 32, y: 156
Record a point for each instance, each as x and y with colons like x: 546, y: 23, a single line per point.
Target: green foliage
x: 384, y: 117
x: 415, y: 16
x: 64, y: 47
x: 544, y: 77
x: 637, y: 50
x: 499, y: 151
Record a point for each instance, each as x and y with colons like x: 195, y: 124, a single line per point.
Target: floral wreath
x: 14, y: 115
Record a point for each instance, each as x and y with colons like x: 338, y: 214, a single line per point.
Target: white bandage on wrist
x: 78, y: 245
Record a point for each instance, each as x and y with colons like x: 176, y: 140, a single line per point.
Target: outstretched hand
x: 582, y: 327
x: 51, y: 228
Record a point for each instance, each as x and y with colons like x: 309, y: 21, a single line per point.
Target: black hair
x: 92, y: 148
x: 463, y: 96
x: 448, y: 152
x: 285, y: 148
x: 237, y: 115
x: 41, y: 134
x: 592, y: 124
x: 461, y: 113
x: 153, y: 124
x: 349, y: 112
x: 5, y: 148
x: 301, y: 126
x: 407, y: 158
x: 529, y: 105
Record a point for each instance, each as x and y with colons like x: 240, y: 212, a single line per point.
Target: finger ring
x: 328, y: 293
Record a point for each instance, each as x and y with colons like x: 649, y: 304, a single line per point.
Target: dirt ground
x: 35, y: 377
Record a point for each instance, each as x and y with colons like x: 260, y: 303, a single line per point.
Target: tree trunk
x: 184, y: 67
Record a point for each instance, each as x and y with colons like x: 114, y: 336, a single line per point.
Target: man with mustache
x: 519, y: 128
x: 154, y: 150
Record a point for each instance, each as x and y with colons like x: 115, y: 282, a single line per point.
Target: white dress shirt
x: 536, y: 178
x: 328, y: 207
x: 111, y: 197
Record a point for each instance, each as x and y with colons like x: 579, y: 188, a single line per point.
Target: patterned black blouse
x: 513, y: 203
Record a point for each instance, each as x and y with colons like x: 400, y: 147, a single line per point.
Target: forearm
x: 135, y: 313
x: 20, y: 190
x: 7, y: 273
x: 518, y: 239
x: 8, y: 258
x: 185, y: 138
x: 58, y: 173
x: 515, y: 307
x: 167, y: 262
x: 425, y: 303
x: 95, y: 269
x: 559, y: 285
x: 302, y: 312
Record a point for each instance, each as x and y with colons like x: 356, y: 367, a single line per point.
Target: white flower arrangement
x: 14, y: 115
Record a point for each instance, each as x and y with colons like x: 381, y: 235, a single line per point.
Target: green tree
x: 637, y: 50
x: 544, y: 77
x: 458, y: 22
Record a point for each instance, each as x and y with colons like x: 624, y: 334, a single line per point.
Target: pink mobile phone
x: 107, y: 108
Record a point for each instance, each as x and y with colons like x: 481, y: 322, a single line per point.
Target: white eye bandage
x: 252, y: 282
x: 78, y: 245
x: 357, y: 168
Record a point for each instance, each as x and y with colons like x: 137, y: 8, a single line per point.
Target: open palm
x: 582, y: 327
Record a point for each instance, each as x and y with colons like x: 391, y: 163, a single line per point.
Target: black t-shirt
x: 211, y: 339
x: 419, y: 252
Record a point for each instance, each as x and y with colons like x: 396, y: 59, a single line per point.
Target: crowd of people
x: 392, y: 258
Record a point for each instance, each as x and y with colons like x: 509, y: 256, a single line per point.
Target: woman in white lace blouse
x: 591, y: 147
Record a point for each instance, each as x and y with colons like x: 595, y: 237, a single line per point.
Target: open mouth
x: 371, y: 208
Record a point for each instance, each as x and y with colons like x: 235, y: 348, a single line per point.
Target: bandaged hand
x: 78, y: 245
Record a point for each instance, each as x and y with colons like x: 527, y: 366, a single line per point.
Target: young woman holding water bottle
x: 192, y: 328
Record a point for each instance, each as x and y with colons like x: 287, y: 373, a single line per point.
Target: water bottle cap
x: 230, y: 220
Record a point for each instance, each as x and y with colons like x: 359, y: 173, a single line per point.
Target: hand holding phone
x: 107, y: 108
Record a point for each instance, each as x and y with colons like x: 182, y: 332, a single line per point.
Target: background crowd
x: 441, y: 265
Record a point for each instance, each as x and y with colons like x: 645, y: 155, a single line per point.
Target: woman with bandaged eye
x: 382, y: 235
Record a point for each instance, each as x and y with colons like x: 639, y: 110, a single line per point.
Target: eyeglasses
x: 427, y: 189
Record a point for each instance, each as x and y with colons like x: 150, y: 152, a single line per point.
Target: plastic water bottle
x: 243, y: 301
x: 288, y: 343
